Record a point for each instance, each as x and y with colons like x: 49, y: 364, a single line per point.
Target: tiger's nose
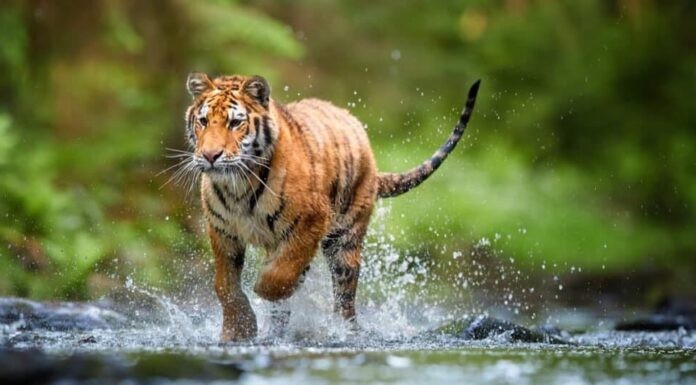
x: 212, y: 156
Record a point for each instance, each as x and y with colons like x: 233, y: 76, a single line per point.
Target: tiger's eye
x: 203, y: 121
x: 235, y: 123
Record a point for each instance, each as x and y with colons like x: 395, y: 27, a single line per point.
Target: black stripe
x: 290, y: 229
x: 342, y: 239
x: 220, y: 196
x: 331, y: 240
x: 349, y: 192
x: 436, y: 161
x: 333, y: 192
x: 347, y: 199
x: 313, y: 134
x: 291, y: 121
x: 223, y: 232
x: 214, y: 213
x: 336, y: 159
x: 345, y: 298
x: 343, y: 274
x: 234, y: 197
x: 260, y: 189
x: 347, y: 196
x: 260, y: 140
x: 351, y: 243
x: 266, y: 131
x: 337, y: 270
x: 190, y: 131
x: 310, y: 155
x: 451, y: 142
x: 238, y: 259
x: 272, y: 218
x: 243, y: 196
x: 303, y: 275
x: 257, y: 127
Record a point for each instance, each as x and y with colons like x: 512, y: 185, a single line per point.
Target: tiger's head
x: 228, y: 126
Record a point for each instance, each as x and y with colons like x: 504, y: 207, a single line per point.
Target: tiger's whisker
x: 259, y: 179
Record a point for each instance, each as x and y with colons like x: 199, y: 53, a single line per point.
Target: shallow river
x: 147, y: 337
x: 183, y: 348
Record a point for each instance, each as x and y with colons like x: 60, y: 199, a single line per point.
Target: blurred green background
x: 581, y: 152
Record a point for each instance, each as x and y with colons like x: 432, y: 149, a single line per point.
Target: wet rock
x: 656, y: 323
x: 670, y: 314
x: 141, y: 307
x: 26, y: 315
x: 484, y: 327
x: 680, y: 306
x: 37, y: 367
x: 552, y: 330
x: 88, y: 340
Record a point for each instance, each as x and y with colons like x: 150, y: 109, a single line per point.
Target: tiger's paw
x: 238, y: 334
x: 239, y: 323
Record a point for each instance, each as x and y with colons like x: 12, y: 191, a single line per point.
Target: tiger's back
x: 341, y: 151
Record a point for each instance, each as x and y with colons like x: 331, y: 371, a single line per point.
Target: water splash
x: 401, y: 298
x: 400, y: 295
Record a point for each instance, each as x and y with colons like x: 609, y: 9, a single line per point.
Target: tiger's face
x: 228, y: 124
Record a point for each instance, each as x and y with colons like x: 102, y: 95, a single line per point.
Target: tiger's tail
x: 394, y: 184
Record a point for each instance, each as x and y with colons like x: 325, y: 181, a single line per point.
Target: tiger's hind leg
x: 342, y: 247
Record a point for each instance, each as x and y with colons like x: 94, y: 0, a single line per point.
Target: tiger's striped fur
x: 290, y: 179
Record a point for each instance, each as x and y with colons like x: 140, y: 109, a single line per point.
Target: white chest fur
x: 235, y: 208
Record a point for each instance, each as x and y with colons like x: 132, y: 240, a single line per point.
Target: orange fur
x: 289, y: 179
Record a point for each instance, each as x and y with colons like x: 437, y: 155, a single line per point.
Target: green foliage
x: 581, y: 150
x: 84, y: 131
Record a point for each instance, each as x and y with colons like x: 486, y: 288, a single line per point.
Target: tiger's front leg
x: 239, y: 321
x: 286, y: 265
x: 280, y: 312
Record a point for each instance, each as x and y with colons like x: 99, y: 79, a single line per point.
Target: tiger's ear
x: 197, y: 83
x: 258, y: 89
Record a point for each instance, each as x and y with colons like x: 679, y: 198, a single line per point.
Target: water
x: 393, y: 348
x: 611, y: 357
x: 159, y: 338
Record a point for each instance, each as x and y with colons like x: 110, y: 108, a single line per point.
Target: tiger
x: 290, y: 180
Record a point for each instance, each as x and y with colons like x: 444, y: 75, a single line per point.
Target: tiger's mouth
x: 223, y: 167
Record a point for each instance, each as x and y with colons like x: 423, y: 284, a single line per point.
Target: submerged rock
x: 657, y: 322
x: 484, y: 327
x: 670, y: 314
x: 35, y: 366
x: 24, y: 315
